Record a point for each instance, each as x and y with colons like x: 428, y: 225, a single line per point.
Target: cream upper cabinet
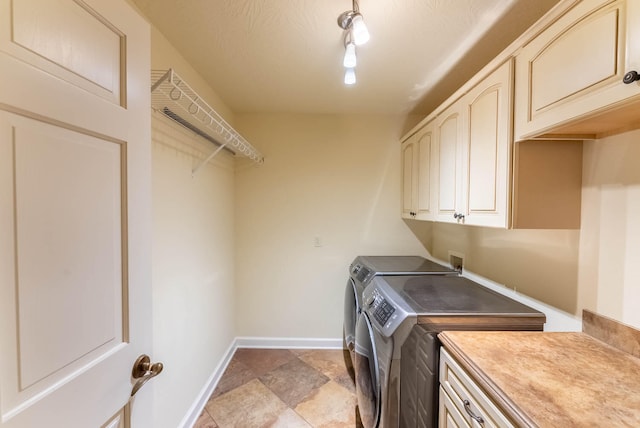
x: 416, y: 175
x: 473, y: 151
x: 569, y: 79
x: 463, y: 166
x: 448, y: 160
x: 488, y: 108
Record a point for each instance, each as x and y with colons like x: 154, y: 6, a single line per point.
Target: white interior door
x: 75, y: 200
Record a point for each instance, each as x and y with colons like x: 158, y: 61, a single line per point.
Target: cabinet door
x: 423, y: 175
x: 448, y: 151
x: 409, y: 187
x: 574, y: 69
x: 416, y: 175
x: 488, y: 150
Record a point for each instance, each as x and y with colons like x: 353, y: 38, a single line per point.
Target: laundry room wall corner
x: 193, y: 256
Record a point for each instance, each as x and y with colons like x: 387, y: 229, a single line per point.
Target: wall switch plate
x: 317, y: 242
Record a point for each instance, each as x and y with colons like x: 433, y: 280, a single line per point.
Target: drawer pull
x: 467, y: 408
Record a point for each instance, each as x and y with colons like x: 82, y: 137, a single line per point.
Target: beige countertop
x: 552, y: 379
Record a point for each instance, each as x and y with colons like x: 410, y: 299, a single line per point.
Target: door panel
x: 65, y: 293
x: 69, y: 40
x: 119, y: 420
x: 75, y: 208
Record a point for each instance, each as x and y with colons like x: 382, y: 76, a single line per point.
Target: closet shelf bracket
x: 174, y: 98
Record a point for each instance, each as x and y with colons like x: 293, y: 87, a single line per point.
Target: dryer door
x: 351, y: 312
x: 368, y: 388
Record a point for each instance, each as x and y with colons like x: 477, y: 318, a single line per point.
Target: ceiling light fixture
x: 360, y: 32
x: 352, y: 20
x: 355, y: 34
x: 350, y: 76
x: 350, y: 59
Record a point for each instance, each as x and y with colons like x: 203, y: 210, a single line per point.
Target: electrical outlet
x: 456, y: 260
x: 317, y: 242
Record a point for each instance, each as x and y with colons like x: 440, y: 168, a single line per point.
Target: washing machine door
x: 351, y: 313
x: 368, y: 388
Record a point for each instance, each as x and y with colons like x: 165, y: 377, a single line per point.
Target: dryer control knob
x: 369, y: 300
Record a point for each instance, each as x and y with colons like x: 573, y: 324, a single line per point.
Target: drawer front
x: 467, y: 396
x: 450, y: 416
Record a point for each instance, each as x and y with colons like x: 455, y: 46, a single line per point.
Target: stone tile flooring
x: 284, y: 388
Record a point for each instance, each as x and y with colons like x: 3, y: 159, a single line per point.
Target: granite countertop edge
x: 495, y: 393
x: 598, y: 362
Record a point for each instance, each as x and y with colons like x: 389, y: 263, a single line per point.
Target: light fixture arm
x: 345, y: 19
x: 352, y: 20
x: 348, y: 38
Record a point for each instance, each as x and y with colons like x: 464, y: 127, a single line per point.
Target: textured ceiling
x: 286, y: 55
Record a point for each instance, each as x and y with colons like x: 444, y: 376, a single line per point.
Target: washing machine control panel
x: 385, y: 313
x: 360, y: 272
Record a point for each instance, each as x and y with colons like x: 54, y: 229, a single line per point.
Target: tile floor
x: 284, y: 388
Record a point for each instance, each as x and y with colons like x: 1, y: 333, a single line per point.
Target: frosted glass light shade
x: 360, y: 32
x: 350, y: 76
x: 349, y: 55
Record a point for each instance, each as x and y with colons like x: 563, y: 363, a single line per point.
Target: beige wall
x: 610, y: 236
x: 193, y: 255
x: 165, y: 56
x: 542, y: 264
x: 596, y: 267
x: 332, y: 177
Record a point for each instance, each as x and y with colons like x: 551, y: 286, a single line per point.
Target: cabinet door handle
x: 467, y: 408
x: 631, y: 77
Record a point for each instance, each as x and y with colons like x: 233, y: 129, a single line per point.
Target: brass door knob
x: 143, y: 370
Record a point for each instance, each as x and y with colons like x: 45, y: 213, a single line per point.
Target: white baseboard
x: 196, y: 408
x: 288, y: 343
x: 250, y: 342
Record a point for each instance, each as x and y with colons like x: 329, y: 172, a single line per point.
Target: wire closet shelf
x: 173, y: 97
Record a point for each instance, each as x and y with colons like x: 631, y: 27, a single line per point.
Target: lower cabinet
x: 462, y: 402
